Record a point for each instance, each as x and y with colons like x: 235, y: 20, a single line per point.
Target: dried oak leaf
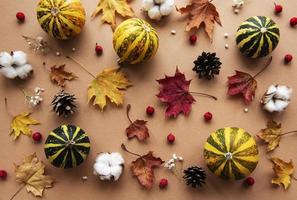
x: 271, y: 135
x: 110, y: 7
x: 201, y: 12
x: 143, y: 169
x: 242, y: 83
x: 20, y: 125
x: 108, y: 84
x: 58, y: 75
x: 31, y: 174
x: 283, y: 172
x: 174, y: 91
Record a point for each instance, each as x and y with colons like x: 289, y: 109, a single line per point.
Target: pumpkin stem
x: 264, y: 68
x: 204, y: 94
x: 18, y: 191
x: 83, y: 67
x: 128, y: 112
x: 125, y: 149
x: 286, y: 133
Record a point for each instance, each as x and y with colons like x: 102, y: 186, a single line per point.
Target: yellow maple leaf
x: 31, y: 174
x: 283, y: 172
x: 271, y: 135
x: 20, y: 125
x: 108, y: 83
x: 110, y: 7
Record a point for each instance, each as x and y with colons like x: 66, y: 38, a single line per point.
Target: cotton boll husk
x: 8, y: 72
x: 5, y: 59
x: 283, y: 92
x: 281, y: 105
x: 101, y: 169
x: 154, y: 13
x: 23, y: 71
x: 116, y: 171
x: 103, y: 158
x: 165, y: 9
x: 19, y: 58
x: 159, y: 1
x: 116, y: 159
x: 147, y: 4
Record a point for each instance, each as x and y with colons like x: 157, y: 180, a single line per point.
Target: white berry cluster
x: 35, y: 99
x: 156, y: 9
x: 14, y: 65
x: 170, y: 164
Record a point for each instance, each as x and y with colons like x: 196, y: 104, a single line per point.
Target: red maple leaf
x: 174, y: 92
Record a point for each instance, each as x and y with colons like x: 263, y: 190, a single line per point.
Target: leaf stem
x: 6, y: 107
x: 264, y: 68
x: 83, y: 67
x: 128, y: 112
x: 294, y: 178
x: 286, y: 133
x: 204, y: 94
x: 125, y: 149
x: 18, y: 191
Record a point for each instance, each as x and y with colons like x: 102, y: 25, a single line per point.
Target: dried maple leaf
x: 271, y: 135
x: 58, y: 75
x: 283, y: 172
x: 137, y: 128
x: 174, y: 91
x: 31, y: 174
x: 108, y: 83
x: 143, y: 168
x: 110, y: 7
x: 20, y: 125
x: 201, y: 12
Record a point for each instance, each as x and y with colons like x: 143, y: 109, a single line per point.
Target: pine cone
x: 194, y: 176
x: 207, y: 65
x: 64, y: 104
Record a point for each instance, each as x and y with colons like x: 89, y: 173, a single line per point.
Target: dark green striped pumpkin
x: 231, y: 153
x: 257, y: 37
x: 67, y: 146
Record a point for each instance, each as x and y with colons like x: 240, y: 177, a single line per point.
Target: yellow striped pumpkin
x: 135, y: 40
x: 67, y: 146
x: 61, y: 19
x: 258, y: 36
x: 231, y: 153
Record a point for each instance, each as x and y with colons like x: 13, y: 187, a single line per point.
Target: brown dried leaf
x: 58, y: 75
x: 271, y: 135
x: 283, y: 172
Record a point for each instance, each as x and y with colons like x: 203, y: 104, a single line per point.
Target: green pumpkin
x: 67, y: 146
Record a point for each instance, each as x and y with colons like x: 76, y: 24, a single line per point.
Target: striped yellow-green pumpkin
x: 231, y: 153
x: 61, y: 19
x: 67, y: 146
x: 135, y: 40
x: 257, y: 36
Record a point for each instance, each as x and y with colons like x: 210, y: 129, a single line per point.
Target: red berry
x: 36, y: 136
x: 250, y: 181
x: 193, y: 39
x: 293, y: 21
x: 278, y: 8
x: 288, y: 58
x: 170, y: 138
x: 98, y: 49
x: 3, y: 174
x: 150, y: 110
x: 207, y: 116
x: 163, y: 183
x: 20, y: 16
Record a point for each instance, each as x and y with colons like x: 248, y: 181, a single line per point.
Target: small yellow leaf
x: 110, y: 7
x: 283, y: 172
x: 20, y: 125
x: 31, y: 174
x: 271, y: 135
x: 108, y: 83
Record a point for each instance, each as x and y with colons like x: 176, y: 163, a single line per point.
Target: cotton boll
x: 103, y: 158
x: 271, y: 89
x: 116, y: 159
x: 281, y: 105
x: 19, y: 58
x: 5, y: 59
x: 8, y: 72
x: 102, y: 169
x: 170, y: 2
x: 283, y: 92
x: 116, y: 171
x: 270, y: 106
x: 165, y: 9
x: 154, y: 13
x: 23, y: 71
x: 147, y: 4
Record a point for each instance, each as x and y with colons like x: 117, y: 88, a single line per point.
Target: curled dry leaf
x: 20, y: 125
x: 58, y: 75
x: 143, y: 168
x: 271, y: 135
x: 283, y: 172
x: 137, y: 128
x: 110, y: 7
x: 108, y: 84
x: 201, y: 12
x: 30, y: 173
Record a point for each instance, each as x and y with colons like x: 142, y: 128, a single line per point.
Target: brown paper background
x: 106, y: 129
